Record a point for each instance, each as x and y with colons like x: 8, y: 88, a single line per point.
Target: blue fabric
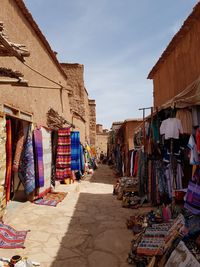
x: 27, y: 167
x: 75, y: 151
x: 82, y: 159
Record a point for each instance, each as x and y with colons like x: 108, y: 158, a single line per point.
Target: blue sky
x: 118, y: 41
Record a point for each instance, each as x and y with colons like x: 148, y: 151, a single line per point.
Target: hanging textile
x: 39, y: 167
x: 20, y: 138
x: 8, y: 159
x: 2, y: 166
x: 47, y: 160
x: 185, y: 116
x: 2, y: 150
x: 63, y: 159
x: 27, y: 167
x: 192, y: 202
x: 54, y: 144
x: 75, y: 151
x: 82, y: 159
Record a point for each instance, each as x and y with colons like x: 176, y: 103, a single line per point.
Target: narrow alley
x: 86, y: 229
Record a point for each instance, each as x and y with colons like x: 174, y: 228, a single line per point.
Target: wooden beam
x: 8, y: 46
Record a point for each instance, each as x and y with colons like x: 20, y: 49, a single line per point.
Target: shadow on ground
x: 104, y: 175
x: 96, y: 236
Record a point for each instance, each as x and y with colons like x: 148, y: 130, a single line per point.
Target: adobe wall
x: 101, y: 143
x: 180, y: 68
x: 79, y: 126
x: 92, y: 116
x: 87, y: 117
x: 74, y: 74
x: 35, y: 100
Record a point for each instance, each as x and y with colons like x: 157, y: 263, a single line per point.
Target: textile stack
x: 126, y: 190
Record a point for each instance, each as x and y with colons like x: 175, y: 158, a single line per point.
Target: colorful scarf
x: 75, y: 151
x: 8, y: 159
x: 39, y: 158
x: 26, y: 167
x: 63, y: 160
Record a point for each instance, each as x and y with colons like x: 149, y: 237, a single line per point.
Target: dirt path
x: 86, y: 230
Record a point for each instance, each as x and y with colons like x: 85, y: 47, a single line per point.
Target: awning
x: 188, y: 97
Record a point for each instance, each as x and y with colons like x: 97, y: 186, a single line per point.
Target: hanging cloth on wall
x: 171, y: 128
x: 63, y: 159
x: 39, y: 166
x: 8, y: 159
x: 54, y: 144
x: 2, y: 166
x: 47, y: 160
x: 75, y: 151
x: 82, y: 159
x: 192, y: 202
x: 27, y: 166
x: 185, y: 116
x: 2, y: 150
x: 22, y: 130
x: 194, y: 156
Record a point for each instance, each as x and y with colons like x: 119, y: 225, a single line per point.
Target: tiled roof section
x: 187, y: 25
x: 35, y: 27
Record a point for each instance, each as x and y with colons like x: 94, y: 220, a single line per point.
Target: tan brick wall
x: 36, y: 100
x: 87, y: 117
x: 101, y: 143
x: 74, y: 74
x: 99, y: 128
x: 79, y: 102
x: 92, y: 116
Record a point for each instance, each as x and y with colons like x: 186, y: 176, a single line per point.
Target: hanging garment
x: 192, y: 202
x: 54, y: 142
x: 8, y: 159
x: 63, y: 159
x: 155, y: 130
x: 135, y: 168
x: 194, y: 157
x: 27, y: 166
x: 171, y: 128
x: 19, y: 146
x: 2, y: 150
x: 131, y: 161
x: 82, y: 159
x: 39, y: 167
x: 196, y: 116
x: 198, y: 140
x: 75, y: 151
x: 185, y: 116
x: 47, y: 160
x: 2, y: 166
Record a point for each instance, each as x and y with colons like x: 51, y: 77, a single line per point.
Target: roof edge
x: 39, y: 33
x: 185, y: 28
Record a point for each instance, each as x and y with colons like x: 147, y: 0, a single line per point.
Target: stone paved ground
x: 86, y: 229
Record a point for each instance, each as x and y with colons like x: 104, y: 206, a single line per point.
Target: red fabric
x: 198, y: 139
x: 63, y: 160
x: 136, y: 165
x: 8, y: 159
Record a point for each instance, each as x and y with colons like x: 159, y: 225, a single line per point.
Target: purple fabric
x: 39, y: 158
